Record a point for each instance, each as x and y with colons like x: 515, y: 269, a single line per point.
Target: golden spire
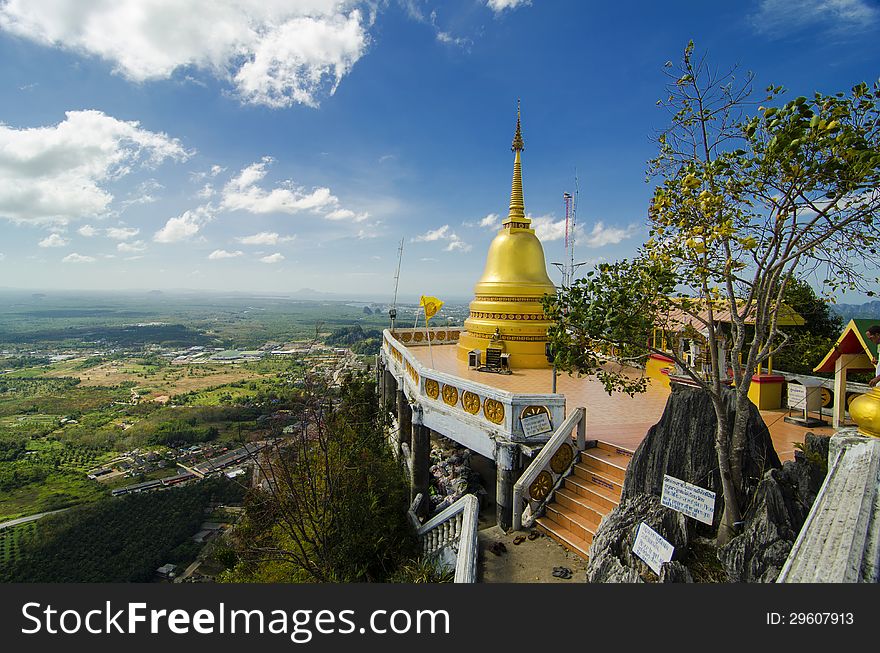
x: 517, y: 212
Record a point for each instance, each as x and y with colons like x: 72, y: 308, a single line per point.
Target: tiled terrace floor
x: 618, y: 418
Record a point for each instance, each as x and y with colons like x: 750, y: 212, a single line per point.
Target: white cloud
x: 600, y: 235
x: 275, y: 52
x: 87, y: 230
x: 277, y: 257
x: 78, y: 258
x: 500, y: 5
x: 52, y: 175
x: 53, y: 240
x: 491, y: 221
x: 2, y: 256
x: 301, y: 59
x: 207, y: 192
x: 121, y: 233
x: 456, y: 244
x: 437, y: 234
x: 184, y: 226
x: 347, y: 214
x: 242, y: 193
x: 144, y: 193
x: 265, y: 238
x: 443, y: 233
x: 782, y: 17
x: 547, y: 229
x: 131, y: 248
x: 219, y: 254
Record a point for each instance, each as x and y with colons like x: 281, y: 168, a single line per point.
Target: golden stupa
x: 506, y: 313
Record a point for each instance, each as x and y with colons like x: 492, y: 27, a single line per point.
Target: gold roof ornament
x: 517, y: 211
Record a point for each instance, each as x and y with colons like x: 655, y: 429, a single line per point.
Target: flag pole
x: 428, y: 336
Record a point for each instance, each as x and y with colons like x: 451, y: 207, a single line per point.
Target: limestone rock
x: 682, y: 444
x: 675, y: 572
x: 611, y: 556
x: 778, y: 511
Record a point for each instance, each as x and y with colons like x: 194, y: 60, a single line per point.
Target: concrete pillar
x: 390, y: 384
x: 421, y: 462
x: 507, y: 471
x: 380, y: 381
x: 838, y: 413
x: 404, y: 419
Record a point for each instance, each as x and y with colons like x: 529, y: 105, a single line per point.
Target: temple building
x: 557, y: 445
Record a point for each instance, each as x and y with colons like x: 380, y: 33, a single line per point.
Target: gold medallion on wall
x: 450, y: 394
x: 471, y: 402
x: 562, y: 458
x: 541, y: 486
x: 493, y: 410
x: 432, y: 388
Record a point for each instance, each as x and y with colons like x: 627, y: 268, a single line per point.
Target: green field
x: 11, y: 540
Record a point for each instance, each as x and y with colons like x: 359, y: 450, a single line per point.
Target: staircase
x: 590, y: 492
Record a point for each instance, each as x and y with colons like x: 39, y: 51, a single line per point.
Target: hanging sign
x: 692, y: 500
x: 652, y: 548
x: 536, y: 424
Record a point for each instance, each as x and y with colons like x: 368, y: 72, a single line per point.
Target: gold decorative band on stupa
x: 516, y: 216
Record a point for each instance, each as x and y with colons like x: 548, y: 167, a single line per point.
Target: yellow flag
x: 431, y: 306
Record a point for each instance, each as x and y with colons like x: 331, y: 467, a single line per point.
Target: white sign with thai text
x: 797, y: 396
x: 692, y: 500
x: 536, y: 424
x: 652, y: 548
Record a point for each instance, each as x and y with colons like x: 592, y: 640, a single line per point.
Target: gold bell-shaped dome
x: 506, y: 311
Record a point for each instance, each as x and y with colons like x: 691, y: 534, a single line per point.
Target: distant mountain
x: 868, y: 310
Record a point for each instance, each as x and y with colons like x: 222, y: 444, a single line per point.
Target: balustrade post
x: 582, y: 430
x: 421, y: 461
x: 390, y: 388
x: 507, y: 470
x: 404, y: 419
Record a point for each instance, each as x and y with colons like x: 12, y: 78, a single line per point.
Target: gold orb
x: 865, y: 411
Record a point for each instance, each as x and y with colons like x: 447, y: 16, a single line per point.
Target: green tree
x: 809, y: 343
x: 749, y: 199
x: 333, y: 504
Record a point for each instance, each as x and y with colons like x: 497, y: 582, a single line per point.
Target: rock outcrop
x: 681, y: 444
x: 779, y: 508
x: 611, y: 557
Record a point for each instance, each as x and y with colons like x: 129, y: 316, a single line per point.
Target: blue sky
x: 272, y: 146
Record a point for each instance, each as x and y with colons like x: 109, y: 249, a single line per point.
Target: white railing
x: 490, y: 408
x: 549, y: 468
x: 840, y: 539
x: 455, y: 529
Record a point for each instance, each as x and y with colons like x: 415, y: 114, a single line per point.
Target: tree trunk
x: 731, y: 514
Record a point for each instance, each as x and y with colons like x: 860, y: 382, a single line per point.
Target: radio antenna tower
x: 392, y: 312
x: 569, y: 267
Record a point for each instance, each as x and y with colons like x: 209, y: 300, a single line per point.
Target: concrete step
x: 608, y: 464
x: 581, y: 526
x: 565, y: 537
x: 600, y: 496
x: 614, y: 485
x: 581, y: 505
x: 613, y: 448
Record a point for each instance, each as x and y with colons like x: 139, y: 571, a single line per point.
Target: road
x: 25, y: 520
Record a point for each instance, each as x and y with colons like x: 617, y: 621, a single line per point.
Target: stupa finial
x: 517, y: 144
x: 517, y: 213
